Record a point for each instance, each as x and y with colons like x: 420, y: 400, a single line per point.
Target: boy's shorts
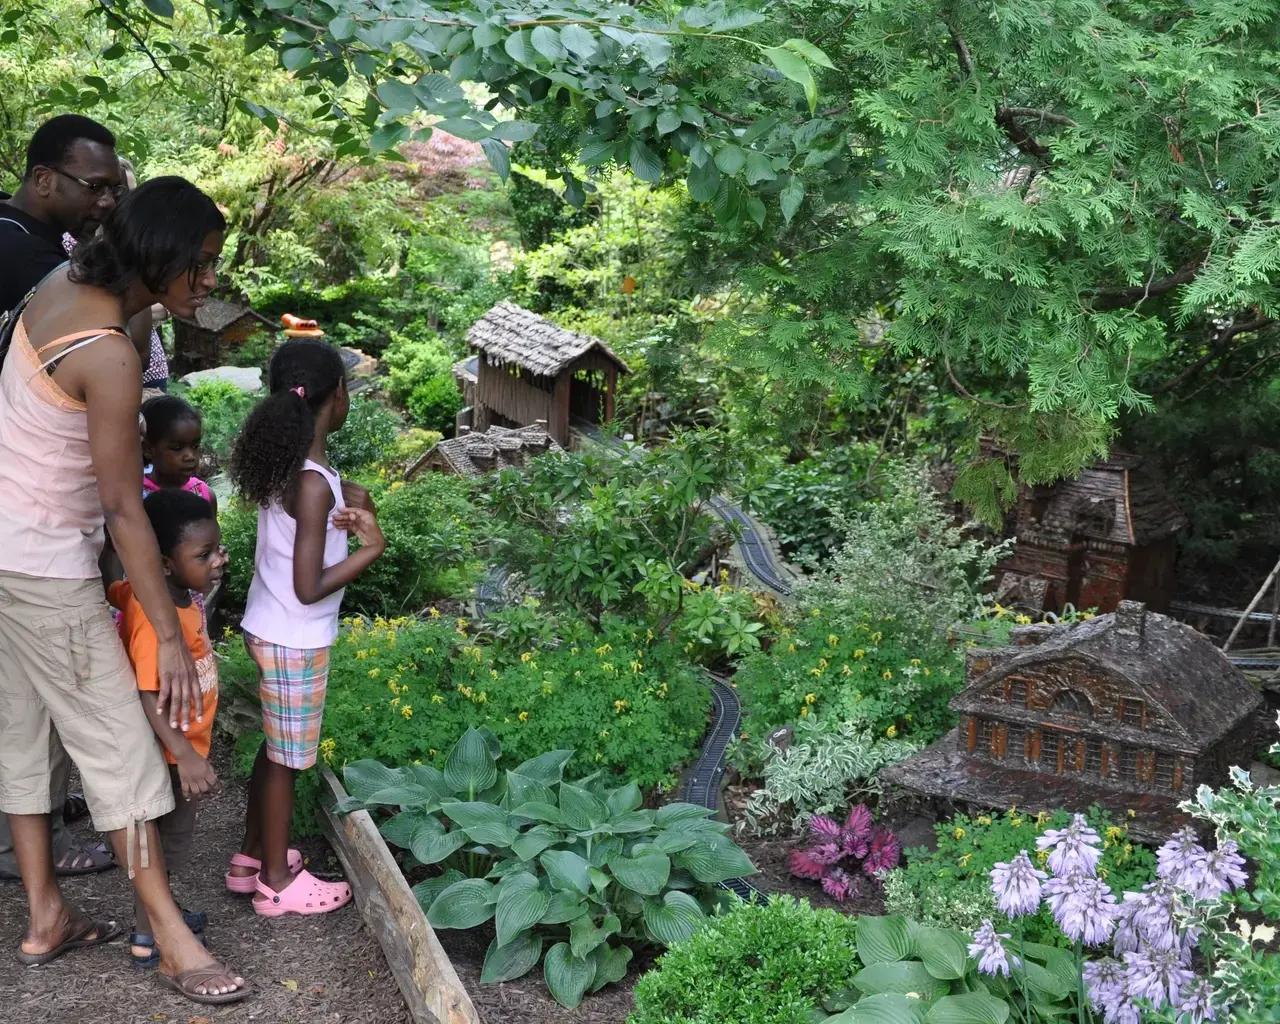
x: 65, y: 682
x: 292, y: 689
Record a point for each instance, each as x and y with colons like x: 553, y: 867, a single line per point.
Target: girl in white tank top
x: 291, y: 618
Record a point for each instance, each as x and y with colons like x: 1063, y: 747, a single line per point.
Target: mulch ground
x: 305, y: 970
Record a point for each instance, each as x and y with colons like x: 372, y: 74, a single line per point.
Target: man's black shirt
x: 29, y: 249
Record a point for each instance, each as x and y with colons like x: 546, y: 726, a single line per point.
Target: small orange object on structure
x: 296, y: 327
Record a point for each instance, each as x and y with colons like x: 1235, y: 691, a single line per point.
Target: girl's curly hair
x: 273, y: 444
x: 154, y: 235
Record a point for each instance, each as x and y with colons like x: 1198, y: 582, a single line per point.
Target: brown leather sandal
x: 186, y: 983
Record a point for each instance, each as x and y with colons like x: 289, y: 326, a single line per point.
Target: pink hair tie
x: 301, y: 392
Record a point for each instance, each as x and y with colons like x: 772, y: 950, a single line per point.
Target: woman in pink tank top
x: 70, y: 467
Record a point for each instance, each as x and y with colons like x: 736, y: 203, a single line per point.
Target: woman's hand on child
x: 355, y: 496
x: 179, y: 694
x: 198, y: 777
x: 363, y: 524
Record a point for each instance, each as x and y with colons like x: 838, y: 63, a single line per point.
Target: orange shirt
x: 140, y: 641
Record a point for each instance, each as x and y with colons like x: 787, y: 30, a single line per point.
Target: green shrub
x: 367, y: 439
x: 770, y: 964
x: 239, y: 522
x: 403, y: 691
x: 434, y: 403
x: 428, y: 526
x: 223, y: 409
x: 952, y: 888
x: 873, y: 674
x: 579, y: 868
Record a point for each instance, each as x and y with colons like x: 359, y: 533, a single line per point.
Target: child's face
x: 176, y: 456
x: 198, y: 560
x: 341, y: 406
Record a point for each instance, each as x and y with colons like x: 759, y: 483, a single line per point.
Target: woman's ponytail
x: 274, y: 441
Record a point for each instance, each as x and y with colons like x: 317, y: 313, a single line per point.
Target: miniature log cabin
x: 530, y: 369
x: 1106, y: 536
x: 201, y: 343
x: 1129, y: 711
x: 475, y: 454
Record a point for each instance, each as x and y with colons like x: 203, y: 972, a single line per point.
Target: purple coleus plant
x: 843, y: 854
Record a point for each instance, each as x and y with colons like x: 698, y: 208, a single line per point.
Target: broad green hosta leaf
x: 566, y: 905
x: 682, y: 814
x: 883, y: 939
x: 430, y: 778
x: 714, y: 858
x: 524, y: 789
x: 610, y: 963
x: 899, y: 976
x: 464, y: 904
x: 1044, y: 983
x: 885, y: 1008
x: 484, y: 823
x: 470, y: 768
x: 521, y: 904
x: 968, y: 1008
x: 513, y: 960
x: 426, y: 891
x: 529, y: 844
x: 431, y: 844
x: 568, y: 977
x: 537, y: 811
x: 398, y: 831
x: 566, y: 870
x: 581, y: 810
x: 546, y: 768
x: 362, y: 779
x: 674, y: 840
x: 585, y: 936
x: 646, y: 874
x: 623, y: 799
x: 401, y: 795
x: 673, y: 918
x: 944, y: 953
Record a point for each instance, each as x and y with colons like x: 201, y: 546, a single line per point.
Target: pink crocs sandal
x: 245, y: 884
x: 306, y: 894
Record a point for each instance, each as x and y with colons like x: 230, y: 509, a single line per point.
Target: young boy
x: 193, y: 559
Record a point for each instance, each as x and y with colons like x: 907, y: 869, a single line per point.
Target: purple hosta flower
x: 1056, y: 891
x: 1017, y: 886
x: 1197, y: 1003
x: 1074, y: 848
x: 1123, y: 1011
x: 989, y: 951
x: 826, y: 853
x: 1179, y: 856
x: 838, y: 884
x: 1150, y: 913
x: 883, y: 853
x: 1156, y: 974
x: 824, y: 828
x: 1126, y: 938
x: 858, y: 825
x: 1221, y: 870
x: 803, y: 865
x: 1087, y: 913
x: 1104, y: 981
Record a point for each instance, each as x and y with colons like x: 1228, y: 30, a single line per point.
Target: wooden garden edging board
x: 427, y: 980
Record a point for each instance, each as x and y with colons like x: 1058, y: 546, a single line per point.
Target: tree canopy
x: 1067, y: 207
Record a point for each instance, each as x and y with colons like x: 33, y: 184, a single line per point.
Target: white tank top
x: 273, y: 612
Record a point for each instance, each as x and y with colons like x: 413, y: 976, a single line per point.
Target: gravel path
x: 305, y: 970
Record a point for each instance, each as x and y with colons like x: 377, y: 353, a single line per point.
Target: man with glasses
x: 71, y: 184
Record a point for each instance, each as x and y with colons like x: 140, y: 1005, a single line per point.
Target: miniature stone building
x: 1130, y: 711
x: 1106, y: 536
x: 474, y: 454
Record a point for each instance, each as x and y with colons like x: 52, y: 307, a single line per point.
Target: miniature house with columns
x: 1130, y: 711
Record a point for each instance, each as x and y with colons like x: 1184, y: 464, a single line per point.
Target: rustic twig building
x: 530, y: 369
x: 201, y: 343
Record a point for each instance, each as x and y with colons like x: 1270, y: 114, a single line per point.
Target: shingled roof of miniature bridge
x: 512, y: 334
x: 1180, y: 670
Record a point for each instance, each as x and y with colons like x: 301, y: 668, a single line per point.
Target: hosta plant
x: 578, y: 869
x: 840, y: 855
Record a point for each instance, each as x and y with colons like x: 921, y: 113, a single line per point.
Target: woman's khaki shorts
x: 65, y: 682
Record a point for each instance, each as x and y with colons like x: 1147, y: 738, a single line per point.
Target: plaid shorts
x: 292, y: 691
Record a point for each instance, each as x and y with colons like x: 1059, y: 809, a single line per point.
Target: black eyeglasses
x: 97, y: 189
x: 207, y: 264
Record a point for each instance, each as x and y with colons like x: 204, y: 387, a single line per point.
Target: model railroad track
x: 756, y: 554
x: 702, y: 783
x: 491, y: 593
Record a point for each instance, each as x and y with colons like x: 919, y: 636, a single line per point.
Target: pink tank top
x: 50, y: 512
x: 195, y: 485
x: 273, y: 612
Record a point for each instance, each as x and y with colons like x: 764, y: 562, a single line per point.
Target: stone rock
x: 1263, y: 774
x: 246, y: 378
x: 919, y: 832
